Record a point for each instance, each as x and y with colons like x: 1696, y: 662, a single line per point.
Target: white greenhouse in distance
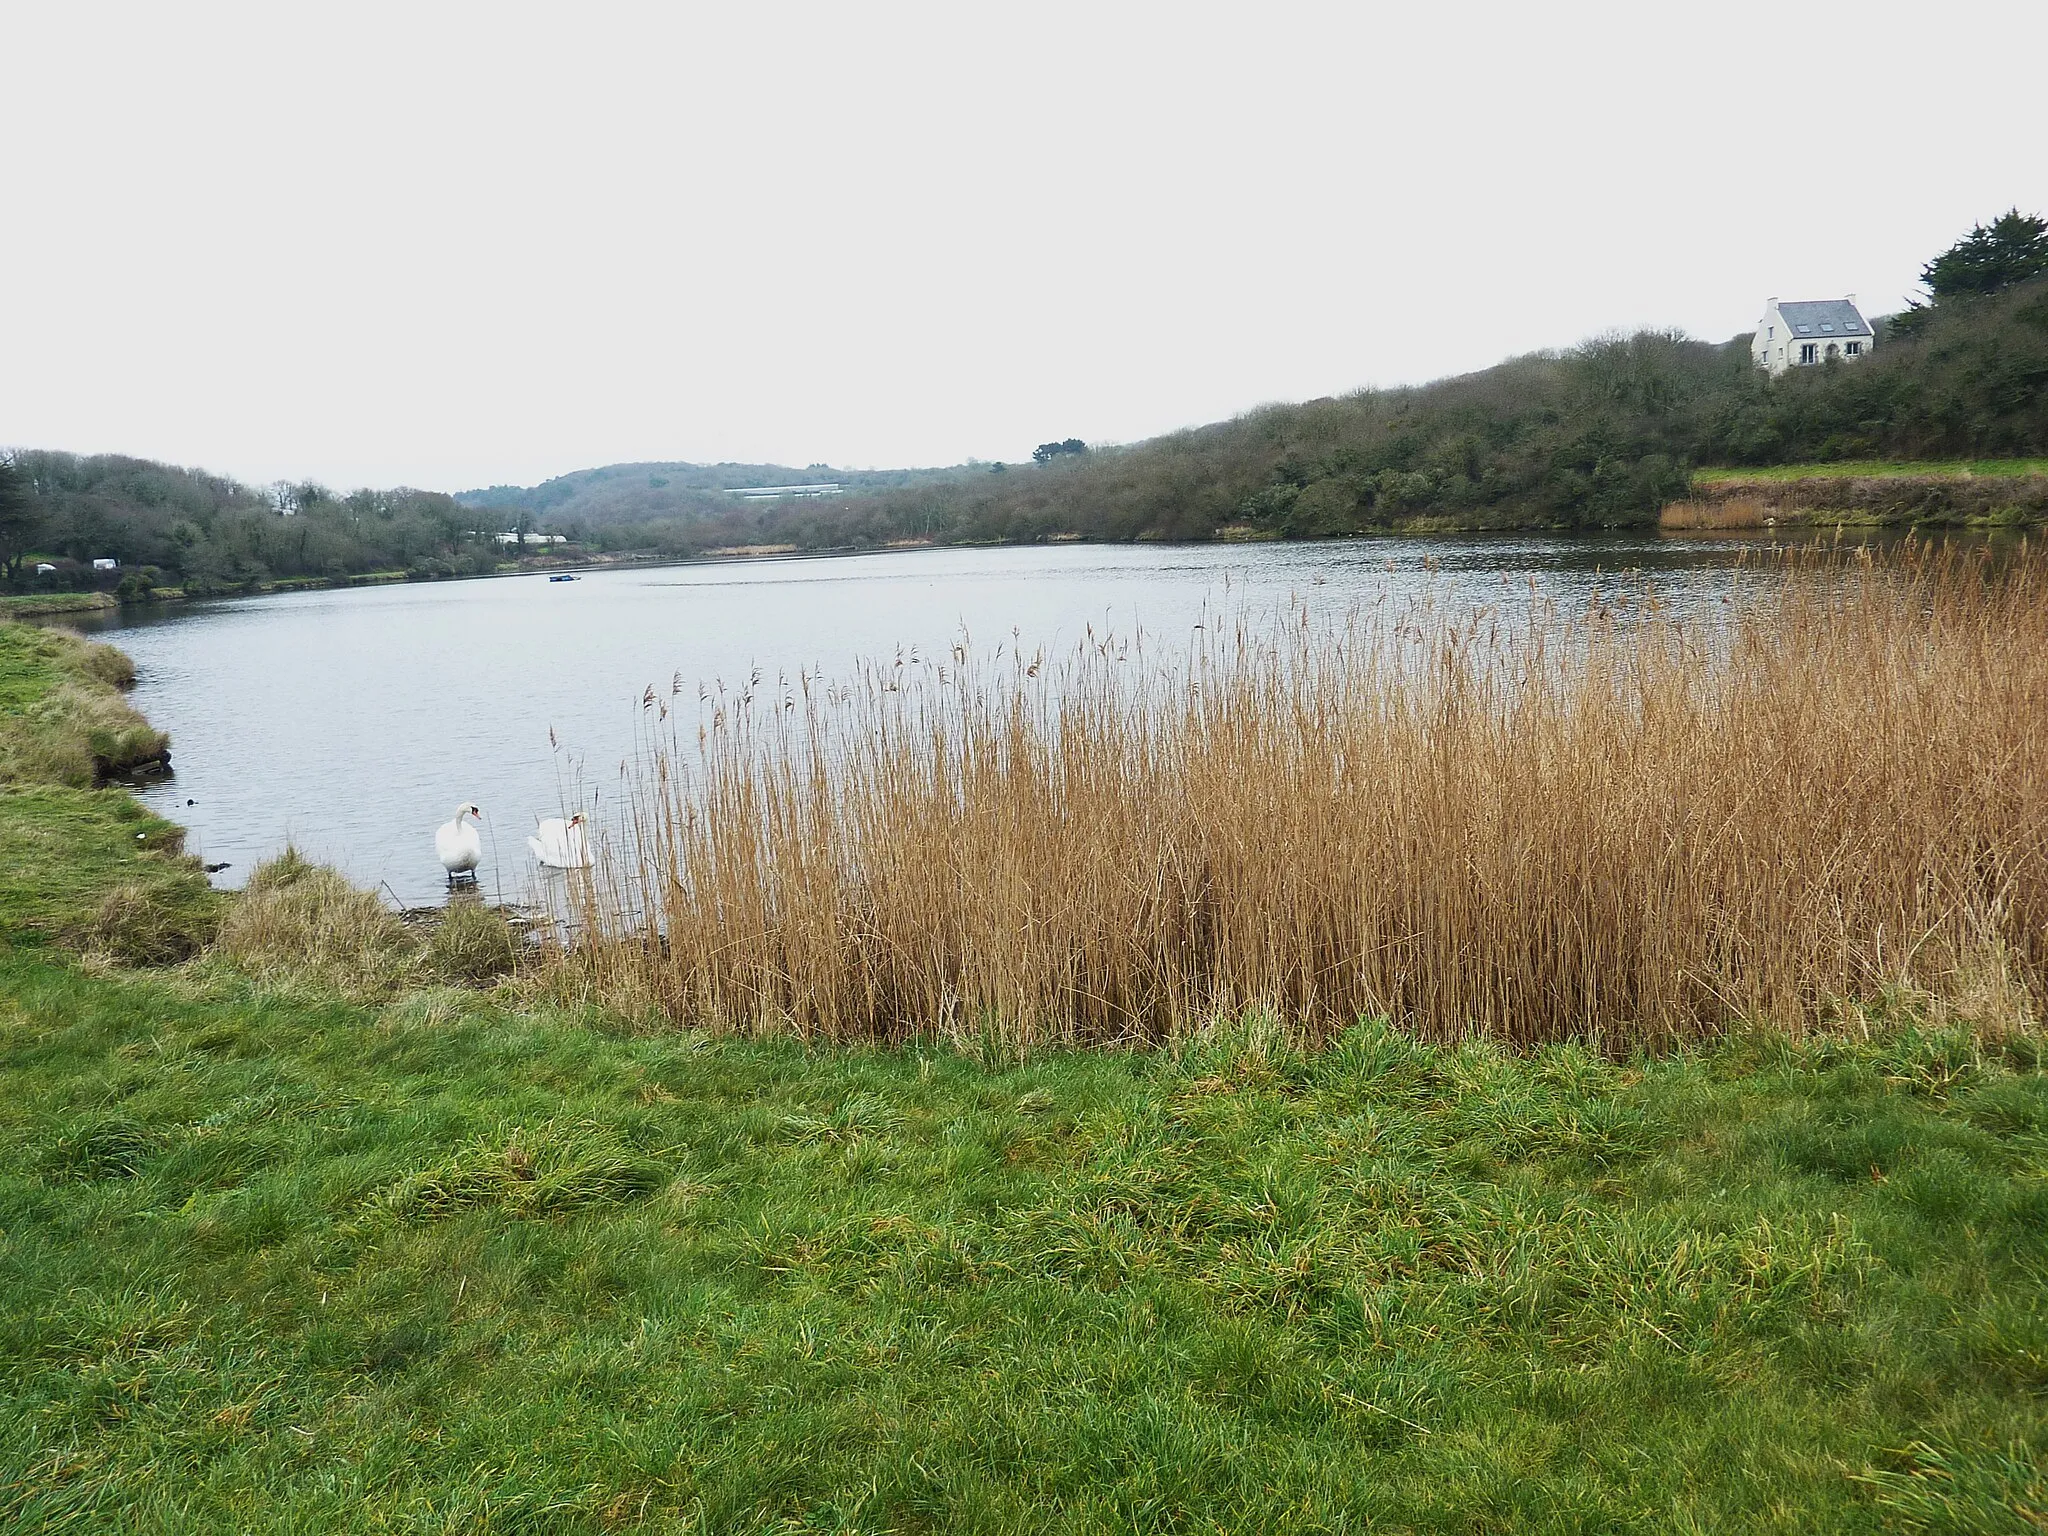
x: 1803, y: 333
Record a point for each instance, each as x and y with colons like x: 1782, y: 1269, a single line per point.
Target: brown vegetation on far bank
x: 1939, y: 500
x: 1716, y: 515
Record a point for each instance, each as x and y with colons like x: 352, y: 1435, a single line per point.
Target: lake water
x: 353, y: 722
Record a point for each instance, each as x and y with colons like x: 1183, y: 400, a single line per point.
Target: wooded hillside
x: 1600, y: 436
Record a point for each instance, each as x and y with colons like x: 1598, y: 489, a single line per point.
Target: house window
x: 1854, y: 349
x: 1809, y: 352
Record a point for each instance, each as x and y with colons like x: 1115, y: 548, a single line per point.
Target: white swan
x: 560, y: 844
x: 461, y: 850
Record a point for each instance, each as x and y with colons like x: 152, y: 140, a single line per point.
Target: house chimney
x: 1852, y: 301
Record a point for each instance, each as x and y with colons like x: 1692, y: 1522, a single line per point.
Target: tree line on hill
x: 206, y: 533
x: 1600, y: 436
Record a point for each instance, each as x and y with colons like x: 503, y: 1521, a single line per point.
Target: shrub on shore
x: 303, y: 922
x: 1625, y: 825
x: 139, y: 924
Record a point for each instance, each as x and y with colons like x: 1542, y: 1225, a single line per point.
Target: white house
x: 777, y: 492
x: 1807, y: 332
x: 106, y: 565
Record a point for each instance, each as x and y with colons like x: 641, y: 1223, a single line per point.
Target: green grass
x: 80, y: 864
x: 272, y: 1265
x: 1874, y: 469
x: 62, y: 851
x: 63, y: 719
x: 30, y: 670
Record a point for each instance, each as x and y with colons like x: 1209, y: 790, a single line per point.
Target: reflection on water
x: 353, y: 723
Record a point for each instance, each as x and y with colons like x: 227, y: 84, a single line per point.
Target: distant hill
x: 632, y: 492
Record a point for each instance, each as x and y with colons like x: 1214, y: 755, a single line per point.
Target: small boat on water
x: 561, y: 578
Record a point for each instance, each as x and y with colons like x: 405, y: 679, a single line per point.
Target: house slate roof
x: 1823, y: 317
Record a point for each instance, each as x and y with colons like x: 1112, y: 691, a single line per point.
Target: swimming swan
x: 461, y: 850
x: 560, y: 844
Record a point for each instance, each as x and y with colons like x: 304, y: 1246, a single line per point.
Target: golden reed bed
x: 1618, y: 826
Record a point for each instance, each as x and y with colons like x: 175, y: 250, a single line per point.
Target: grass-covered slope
x: 62, y: 717
x: 81, y: 863
x: 276, y: 1265
x: 84, y: 865
x: 1877, y: 469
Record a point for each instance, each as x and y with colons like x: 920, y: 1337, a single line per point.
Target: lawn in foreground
x: 270, y: 1262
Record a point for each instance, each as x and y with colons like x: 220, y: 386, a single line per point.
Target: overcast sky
x: 454, y: 245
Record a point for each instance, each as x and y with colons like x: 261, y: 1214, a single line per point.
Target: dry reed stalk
x: 1618, y: 826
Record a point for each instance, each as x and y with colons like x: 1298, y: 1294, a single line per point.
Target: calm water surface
x: 353, y: 722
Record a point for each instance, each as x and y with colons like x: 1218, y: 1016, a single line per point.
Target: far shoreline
x: 1799, y: 524
x: 60, y: 607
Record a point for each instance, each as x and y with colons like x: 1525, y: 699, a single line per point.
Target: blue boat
x: 561, y: 578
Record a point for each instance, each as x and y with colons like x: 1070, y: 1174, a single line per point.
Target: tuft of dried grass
x: 303, y: 922
x: 472, y: 944
x: 1623, y: 826
x: 103, y: 663
x: 556, y: 1168
x: 135, y: 924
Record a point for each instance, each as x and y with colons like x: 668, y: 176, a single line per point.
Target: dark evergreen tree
x: 20, y: 517
x: 1989, y: 259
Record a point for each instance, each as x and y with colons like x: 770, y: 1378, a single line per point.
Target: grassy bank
x: 65, y: 719
x: 298, y: 1236
x: 277, y: 1264
x: 1873, y: 469
x: 2008, y: 493
x: 51, y: 605
x: 81, y: 863
x: 43, y: 605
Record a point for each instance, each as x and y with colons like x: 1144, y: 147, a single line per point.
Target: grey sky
x: 450, y: 245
